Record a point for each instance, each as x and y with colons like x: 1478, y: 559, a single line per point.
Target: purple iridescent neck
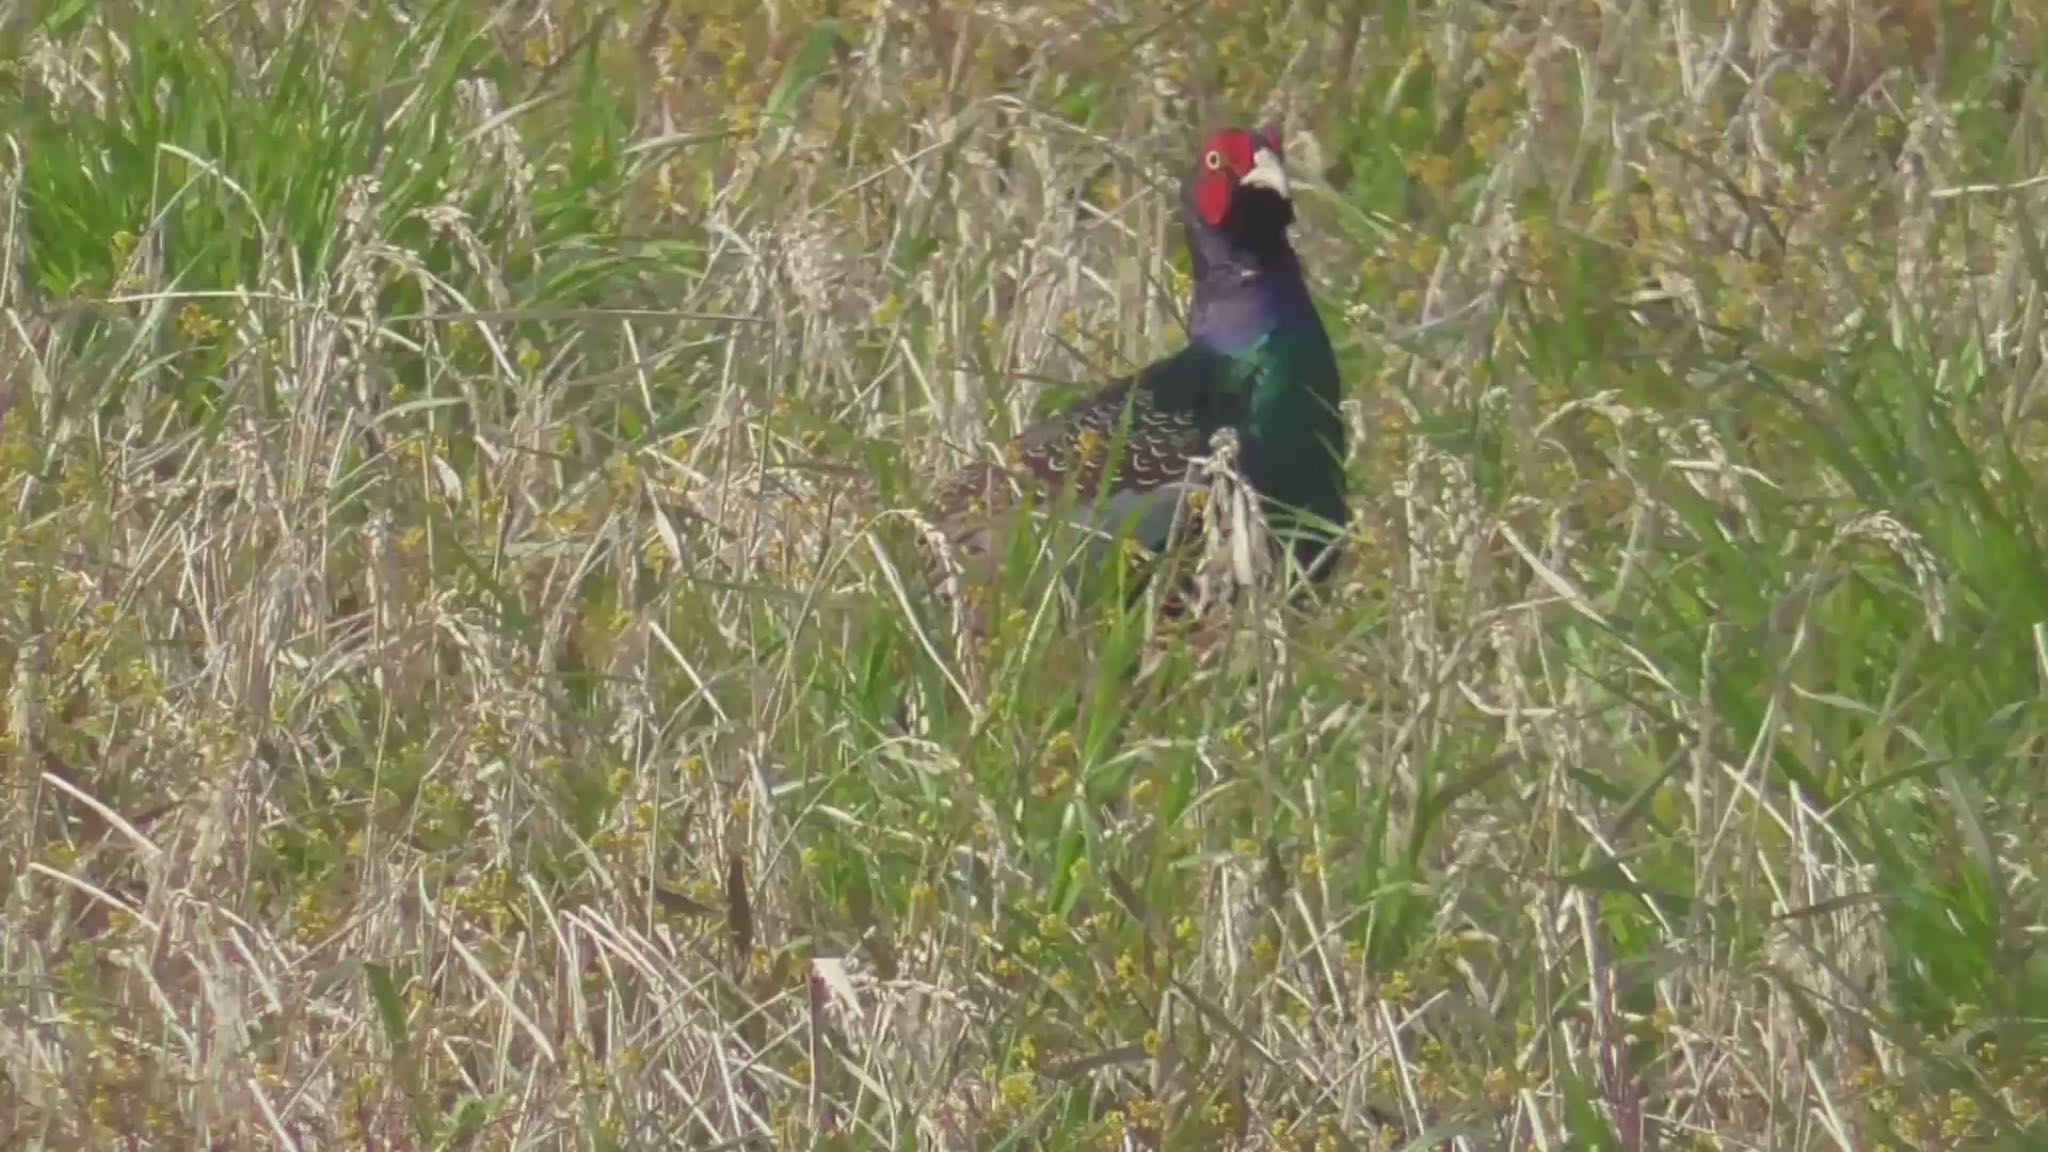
x: 1246, y: 288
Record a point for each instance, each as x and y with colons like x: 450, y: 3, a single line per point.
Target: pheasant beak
x: 1267, y: 173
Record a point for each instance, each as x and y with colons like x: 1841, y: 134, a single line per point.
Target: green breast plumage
x: 1293, y: 441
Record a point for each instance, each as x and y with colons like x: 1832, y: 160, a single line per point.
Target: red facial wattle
x: 1213, y: 191
x: 1224, y: 160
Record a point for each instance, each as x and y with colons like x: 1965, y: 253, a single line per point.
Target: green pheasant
x: 1258, y: 361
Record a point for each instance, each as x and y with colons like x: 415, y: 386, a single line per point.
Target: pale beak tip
x: 1267, y: 173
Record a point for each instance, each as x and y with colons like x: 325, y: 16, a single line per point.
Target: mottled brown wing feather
x: 1078, y: 446
x: 1174, y: 407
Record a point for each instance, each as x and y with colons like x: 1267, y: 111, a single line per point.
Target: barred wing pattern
x: 1155, y: 424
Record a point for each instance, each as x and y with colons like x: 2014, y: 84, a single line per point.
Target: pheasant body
x: 1258, y: 361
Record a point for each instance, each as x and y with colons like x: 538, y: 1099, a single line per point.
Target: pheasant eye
x: 1214, y: 160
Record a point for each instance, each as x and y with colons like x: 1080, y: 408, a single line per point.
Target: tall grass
x: 470, y: 680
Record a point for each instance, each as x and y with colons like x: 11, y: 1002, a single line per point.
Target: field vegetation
x: 469, y: 680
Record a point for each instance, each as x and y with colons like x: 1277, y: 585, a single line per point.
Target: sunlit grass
x: 470, y: 678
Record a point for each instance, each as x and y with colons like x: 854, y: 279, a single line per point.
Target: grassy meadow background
x: 469, y: 682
